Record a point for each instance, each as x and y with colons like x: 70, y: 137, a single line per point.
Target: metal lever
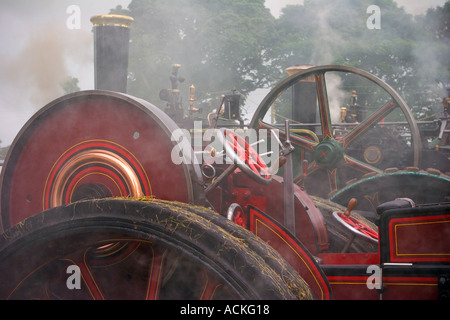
x: 219, y: 110
x: 281, y: 161
x: 289, y: 208
x: 351, y: 206
x: 220, y: 178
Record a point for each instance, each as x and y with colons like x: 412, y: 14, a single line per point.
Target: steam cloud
x: 40, y: 68
x: 38, y: 53
x: 323, y: 55
x: 429, y: 56
x: 37, y: 56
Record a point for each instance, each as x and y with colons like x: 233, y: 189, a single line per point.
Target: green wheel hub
x: 328, y: 152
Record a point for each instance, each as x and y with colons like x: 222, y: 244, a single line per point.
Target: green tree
x: 410, y: 53
x: 335, y: 32
x: 237, y: 44
x: 71, y: 85
x: 221, y: 45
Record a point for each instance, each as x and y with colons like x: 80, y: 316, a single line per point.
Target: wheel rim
x: 242, y: 154
x: 128, y: 135
x: 137, y: 250
x: 85, y: 162
x: 331, y: 148
x: 420, y: 186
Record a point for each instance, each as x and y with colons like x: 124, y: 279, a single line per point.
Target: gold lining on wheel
x: 95, y: 157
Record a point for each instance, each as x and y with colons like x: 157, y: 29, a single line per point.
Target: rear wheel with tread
x: 140, y: 250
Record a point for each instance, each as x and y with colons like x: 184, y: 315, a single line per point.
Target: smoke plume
x: 39, y: 54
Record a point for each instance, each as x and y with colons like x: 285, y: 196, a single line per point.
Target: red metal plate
x: 421, y: 238
x: 292, y: 250
x: 129, y: 136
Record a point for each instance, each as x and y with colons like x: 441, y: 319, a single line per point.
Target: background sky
x: 39, y: 52
x: 410, y: 6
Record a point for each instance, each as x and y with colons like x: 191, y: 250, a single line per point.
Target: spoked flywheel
x: 123, y: 249
x: 329, y: 151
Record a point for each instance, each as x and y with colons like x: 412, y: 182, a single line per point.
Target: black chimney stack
x: 111, y: 47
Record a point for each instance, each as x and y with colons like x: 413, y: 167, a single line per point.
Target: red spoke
x: 367, y: 124
x: 361, y: 227
x: 210, y: 288
x: 247, y: 154
x: 154, y: 281
x: 324, y: 109
x: 88, y: 277
x: 91, y: 284
x: 312, y: 167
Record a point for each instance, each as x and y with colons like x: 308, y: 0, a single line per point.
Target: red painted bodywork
x: 142, y: 137
x: 79, y: 121
x: 417, y: 239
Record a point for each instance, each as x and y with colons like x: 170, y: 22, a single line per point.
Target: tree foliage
x: 221, y: 45
x: 410, y: 53
x: 71, y: 85
x: 237, y: 44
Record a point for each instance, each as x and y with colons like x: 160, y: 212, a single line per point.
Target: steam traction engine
x: 90, y: 186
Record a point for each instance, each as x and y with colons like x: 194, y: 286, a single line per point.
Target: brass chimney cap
x: 298, y: 68
x: 295, y: 69
x: 112, y: 20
